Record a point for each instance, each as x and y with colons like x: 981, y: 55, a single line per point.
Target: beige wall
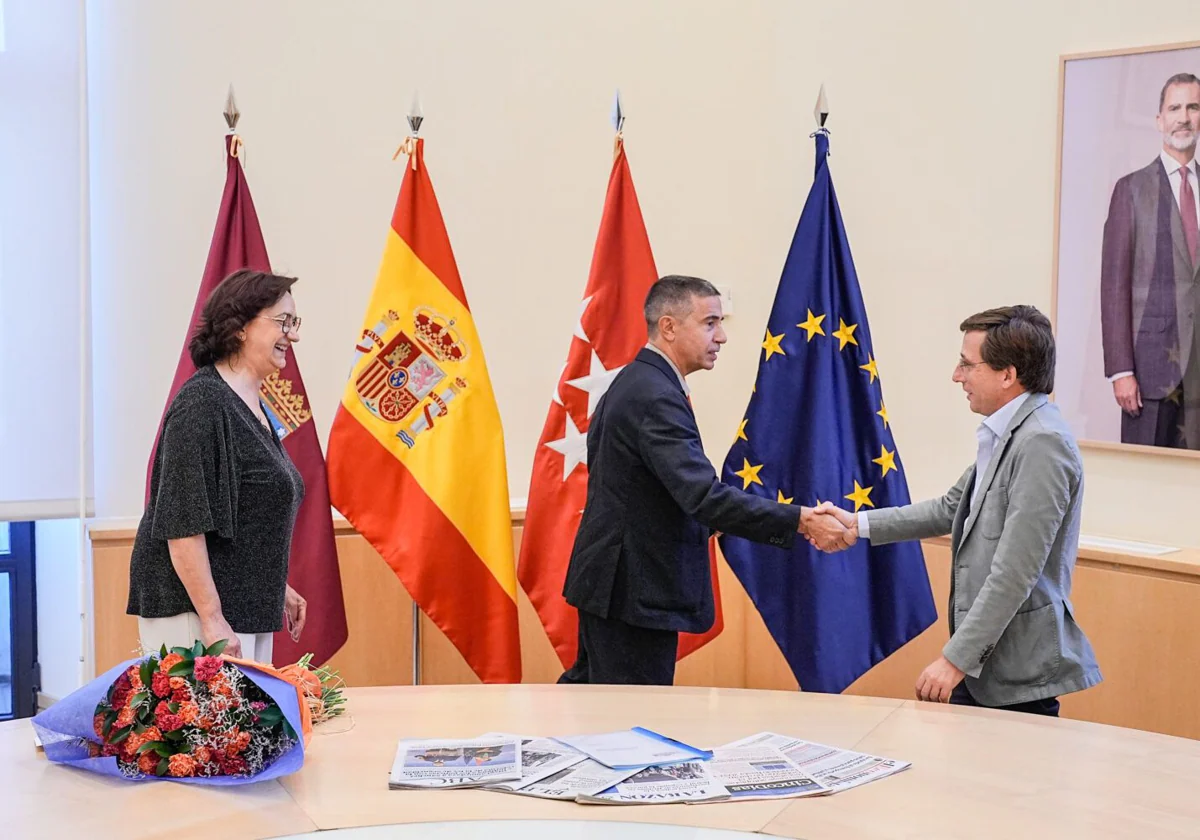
x: 944, y: 120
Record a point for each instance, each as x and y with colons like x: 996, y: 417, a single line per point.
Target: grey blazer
x: 1012, y: 626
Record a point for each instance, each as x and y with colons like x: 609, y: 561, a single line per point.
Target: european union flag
x: 817, y: 429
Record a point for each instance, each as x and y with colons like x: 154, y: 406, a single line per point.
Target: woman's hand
x: 215, y: 628
x: 295, y: 612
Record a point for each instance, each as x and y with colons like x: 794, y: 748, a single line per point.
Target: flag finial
x: 821, y: 109
x: 415, y: 117
x: 232, y: 114
x: 618, y: 113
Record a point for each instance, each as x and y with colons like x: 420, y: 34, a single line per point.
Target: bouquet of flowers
x: 188, y: 714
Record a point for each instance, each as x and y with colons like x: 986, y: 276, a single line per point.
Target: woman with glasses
x: 210, y: 559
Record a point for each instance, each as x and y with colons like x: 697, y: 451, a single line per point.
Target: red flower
x: 110, y: 750
x: 93, y: 750
x: 207, y: 667
x: 122, y: 691
x: 234, y: 766
x: 170, y: 722
x: 181, y: 695
x: 98, y: 724
x: 161, y: 684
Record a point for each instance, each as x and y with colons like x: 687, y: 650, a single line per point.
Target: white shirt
x: 988, y: 435
x: 1175, y: 174
x: 687, y: 392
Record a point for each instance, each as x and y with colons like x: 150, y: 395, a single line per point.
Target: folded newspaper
x: 540, y: 759
x: 687, y: 781
x: 761, y: 771
x: 834, y: 768
x: 587, y: 778
x: 424, y: 764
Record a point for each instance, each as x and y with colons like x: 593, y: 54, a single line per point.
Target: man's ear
x: 666, y: 327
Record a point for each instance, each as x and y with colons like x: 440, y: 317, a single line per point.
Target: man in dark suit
x: 1150, y: 282
x: 639, y: 571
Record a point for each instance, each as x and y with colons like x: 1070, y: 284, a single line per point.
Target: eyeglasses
x: 288, y: 323
x: 963, y: 364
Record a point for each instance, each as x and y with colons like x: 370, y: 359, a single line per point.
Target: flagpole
x: 415, y: 118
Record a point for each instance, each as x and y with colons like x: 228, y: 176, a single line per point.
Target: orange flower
x: 148, y: 762
x: 243, y: 741
x: 151, y: 734
x: 220, y: 685
x: 169, y: 662
x: 135, y: 679
x: 125, y: 717
x: 182, y: 765
x: 134, y: 741
x: 203, y: 755
x: 178, y: 683
x: 205, y: 723
x: 190, y: 713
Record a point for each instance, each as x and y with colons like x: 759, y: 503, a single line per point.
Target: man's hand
x: 848, y: 520
x: 1128, y: 394
x: 825, y: 531
x: 938, y: 680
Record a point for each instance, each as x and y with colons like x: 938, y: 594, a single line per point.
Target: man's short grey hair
x: 672, y: 295
x: 1177, y: 79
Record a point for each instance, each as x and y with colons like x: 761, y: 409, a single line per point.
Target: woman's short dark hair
x: 1019, y: 336
x: 233, y: 304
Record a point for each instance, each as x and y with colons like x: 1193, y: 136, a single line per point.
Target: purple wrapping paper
x: 63, y: 725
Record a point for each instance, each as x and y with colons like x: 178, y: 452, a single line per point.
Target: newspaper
x: 761, y: 771
x: 587, y: 778
x: 688, y: 781
x: 452, y: 764
x: 837, y: 769
x: 540, y: 759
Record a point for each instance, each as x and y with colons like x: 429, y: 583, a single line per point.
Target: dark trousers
x: 615, y: 653
x: 1047, y: 706
x: 1159, y: 423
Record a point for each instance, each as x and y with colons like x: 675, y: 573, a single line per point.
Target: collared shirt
x: 687, y: 392
x: 1175, y: 175
x: 988, y: 435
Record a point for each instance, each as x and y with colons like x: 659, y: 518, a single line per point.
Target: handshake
x: 828, y: 527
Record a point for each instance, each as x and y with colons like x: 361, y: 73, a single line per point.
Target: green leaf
x: 164, y: 749
x: 175, y: 735
x: 147, y: 672
x: 163, y: 765
x: 108, y: 725
x: 216, y: 648
x: 162, y: 653
x: 182, y: 651
x: 182, y: 669
x: 173, y: 708
x: 149, y: 745
x: 121, y: 734
x: 139, y: 698
x: 198, y: 648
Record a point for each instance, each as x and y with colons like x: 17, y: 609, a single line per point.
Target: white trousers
x: 183, y: 630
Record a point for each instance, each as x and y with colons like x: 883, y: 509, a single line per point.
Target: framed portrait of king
x: 1127, y: 249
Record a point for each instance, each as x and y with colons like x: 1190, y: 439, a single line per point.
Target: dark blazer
x: 653, y: 499
x: 1147, y: 284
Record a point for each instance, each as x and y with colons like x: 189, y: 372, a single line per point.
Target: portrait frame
x: 1115, y: 91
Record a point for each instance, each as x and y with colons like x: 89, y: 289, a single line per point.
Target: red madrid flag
x: 608, y: 334
x: 237, y: 243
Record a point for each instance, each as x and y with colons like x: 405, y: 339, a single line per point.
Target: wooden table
x: 975, y: 773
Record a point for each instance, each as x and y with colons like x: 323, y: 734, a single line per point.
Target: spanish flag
x: 416, y: 453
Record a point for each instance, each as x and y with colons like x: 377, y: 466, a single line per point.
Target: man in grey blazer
x: 1150, y: 282
x: 1014, y: 522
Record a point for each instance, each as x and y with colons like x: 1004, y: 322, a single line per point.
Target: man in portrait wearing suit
x: 1013, y: 518
x: 639, y: 570
x: 1148, y: 282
